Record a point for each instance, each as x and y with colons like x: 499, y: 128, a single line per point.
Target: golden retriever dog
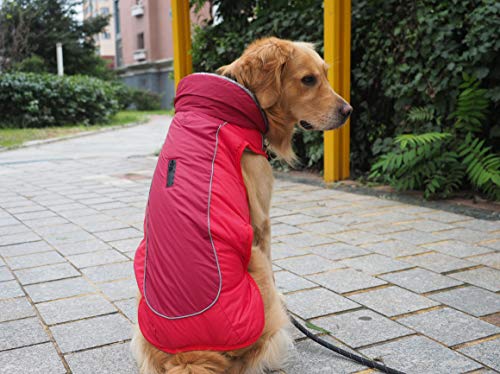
x: 290, y: 82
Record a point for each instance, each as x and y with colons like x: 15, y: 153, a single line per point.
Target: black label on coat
x: 171, y: 172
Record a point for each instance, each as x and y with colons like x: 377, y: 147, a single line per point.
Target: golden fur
x: 274, y: 71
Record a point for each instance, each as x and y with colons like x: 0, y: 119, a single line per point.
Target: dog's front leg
x: 258, y: 178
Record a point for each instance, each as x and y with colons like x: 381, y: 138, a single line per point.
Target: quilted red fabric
x: 191, y: 266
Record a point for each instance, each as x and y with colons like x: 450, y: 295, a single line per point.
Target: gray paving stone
x: 34, y: 223
x: 58, y: 289
x: 393, y: 301
x: 105, y: 256
x: 345, y: 280
x: 428, y: 226
x: 305, y: 240
x: 338, y: 251
x: 495, y: 244
x: 485, y: 352
x: 375, y: 264
x: 92, y: 332
x: 309, y: 357
x: 415, y: 237
x: 449, y: 326
x: 288, y: 282
x: 10, y: 289
x: 439, y: 262
x: 466, y: 235
x: 54, y: 230
x: 482, y: 277
x: 22, y: 332
x: 283, y: 229
x: 46, y: 273
x: 69, y: 237
x: 35, y: 259
x: 68, y: 249
x: 492, y: 260
x: 307, y: 264
x: 129, y: 308
x: 109, y: 272
x: 117, y: 290
x: 18, y: 238
x: 39, y: 359
x: 357, y: 237
x: 11, y: 309
x: 317, y: 302
x: 126, y: 245
x: 282, y: 250
x: 111, y: 235
x: 73, y: 309
x: 114, y: 359
x: 13, y: 229
x: 297, y: 219
x: 471, y: 300
x: 362, y: 327
x: 420, y: 280
x: 24, y: 249
x: 418, y: 354
x: 481, y: 225
x: 458, y: 249
x: 324, y: 227
x: 442, y: 216
x: 5, y: 274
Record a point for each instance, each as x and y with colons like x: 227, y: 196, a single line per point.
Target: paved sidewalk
x: 415, y: 287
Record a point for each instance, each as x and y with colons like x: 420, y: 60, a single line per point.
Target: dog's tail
x: 197, y: 362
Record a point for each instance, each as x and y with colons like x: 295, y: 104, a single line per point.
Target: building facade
x: 105, y: 41
x: 144, y: 47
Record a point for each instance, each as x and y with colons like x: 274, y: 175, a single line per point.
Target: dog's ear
x: 260, y: 69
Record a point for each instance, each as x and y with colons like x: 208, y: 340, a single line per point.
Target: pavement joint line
x: 451, y: 288
x: 466, y: 268
x: 82, y: 319
x: 364, y: 290
x: 417, y: 254
x: 44, y: 326
x: 476, y: 341
x: 410, y: 334
x: 302, y: 290
x: 480, y: 254
x: 395, y: 271
x: 97, y: 347
x: 416, y: 312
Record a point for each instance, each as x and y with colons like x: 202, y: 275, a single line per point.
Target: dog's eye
x: 309, y: 80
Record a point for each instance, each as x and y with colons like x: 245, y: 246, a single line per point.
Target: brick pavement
x: 415, y: 287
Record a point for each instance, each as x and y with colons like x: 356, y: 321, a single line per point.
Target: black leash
x: 361, y: 360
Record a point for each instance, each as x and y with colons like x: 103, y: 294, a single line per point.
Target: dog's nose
x: 345, y: 110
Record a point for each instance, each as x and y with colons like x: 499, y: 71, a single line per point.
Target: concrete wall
x: 151, y: 76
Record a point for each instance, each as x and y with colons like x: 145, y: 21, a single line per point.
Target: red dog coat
x: 191, y: 266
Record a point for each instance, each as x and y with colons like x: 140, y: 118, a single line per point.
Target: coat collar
x: 222, y: 98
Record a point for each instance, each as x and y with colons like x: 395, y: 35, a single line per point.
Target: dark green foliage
x: 405, y: 55
x: 440, y: 163
x: 130, y: 97
x: 32, y: 64
x: 33, y: 27
x: 37, y: 100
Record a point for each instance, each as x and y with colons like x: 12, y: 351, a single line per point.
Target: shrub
x: 36, y: 100
x: 441, y: 162
x: 145, y: 100
x: 130, y: 97
x: 404, y: 55
x: 32, y: 64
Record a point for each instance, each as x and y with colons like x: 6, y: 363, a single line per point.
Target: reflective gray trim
x: 250, y: 93
x: 209, y: 234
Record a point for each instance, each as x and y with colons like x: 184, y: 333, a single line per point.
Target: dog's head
x: 290, y: 82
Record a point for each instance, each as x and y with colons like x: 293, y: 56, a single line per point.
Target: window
x: 140, y: 40
x: 106, y: 35
x: 105, y: 10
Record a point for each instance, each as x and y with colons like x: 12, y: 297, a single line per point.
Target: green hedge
x: 405, y: 54
x: 130, y: 97
x: 37, y: 100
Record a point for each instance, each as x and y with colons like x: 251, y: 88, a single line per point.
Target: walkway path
x: 414, y: 287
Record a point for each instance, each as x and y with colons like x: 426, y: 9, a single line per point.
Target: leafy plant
x: 38, y: 100
x: 440, y: 163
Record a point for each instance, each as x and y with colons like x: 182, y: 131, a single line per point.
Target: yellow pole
x: 181, y: 32
x: 337, y: 42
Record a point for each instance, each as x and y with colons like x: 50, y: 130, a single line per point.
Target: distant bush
x: 32, y: 64
x: 134, y: 98
x: 37, y: 100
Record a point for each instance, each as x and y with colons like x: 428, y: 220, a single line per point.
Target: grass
x: 12, y: 137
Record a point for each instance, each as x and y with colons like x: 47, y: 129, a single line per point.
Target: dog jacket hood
x: 191, y: 266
